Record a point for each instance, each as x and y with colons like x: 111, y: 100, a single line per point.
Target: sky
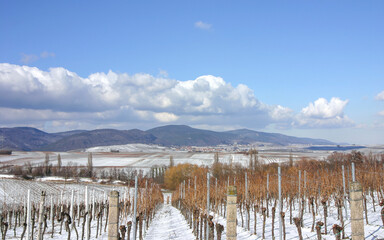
x: 303, y: 68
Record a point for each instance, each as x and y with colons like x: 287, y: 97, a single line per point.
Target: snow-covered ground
x: 169, y: 223
x: 13, y: 191
x: 373, y: 230
x: 143, y: 157
x: 137, y: 147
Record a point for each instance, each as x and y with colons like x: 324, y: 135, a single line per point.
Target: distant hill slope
x: 181, y: 135
x: 69, y: 133
x: 245, y: 136
x: 27, y: 139
x: 101, y: 137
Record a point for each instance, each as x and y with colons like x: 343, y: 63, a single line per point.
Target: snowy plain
x: 143, y: 157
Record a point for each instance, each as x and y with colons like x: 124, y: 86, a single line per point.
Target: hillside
x: 101, y: 137
x: 27, y: 139
x: 244, y: 136
x: 181, y: 135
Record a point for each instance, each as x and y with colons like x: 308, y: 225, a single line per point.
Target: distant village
x: 236, y: 148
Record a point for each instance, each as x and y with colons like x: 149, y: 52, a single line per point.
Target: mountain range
x: 32, y: 139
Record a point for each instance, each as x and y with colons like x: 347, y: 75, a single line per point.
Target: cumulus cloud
x: 324, y: 113
x: 61, y: 97
x: 281, y: 113
x: 202, y: 25
x: 166, y: 117
x: 58, y: 89
x: 323, y: 109
x: 49, y: 94
x: 380, y: 96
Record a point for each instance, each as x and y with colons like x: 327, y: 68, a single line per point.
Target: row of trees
x: 73, y: 170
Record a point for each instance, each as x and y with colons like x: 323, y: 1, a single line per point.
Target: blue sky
x: 304, y: 68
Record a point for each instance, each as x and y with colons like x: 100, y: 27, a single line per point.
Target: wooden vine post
x: 135, y: 211
x: 29, y: 215
x: 357, y: 219
x: 280, y: 204
x: 41, y: 215
x: 113, y: 217
x: 231, y: 213
x: 86, y: 214
x: 208, y: 203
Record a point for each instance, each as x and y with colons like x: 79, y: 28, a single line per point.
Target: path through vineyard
x: 169, y: 224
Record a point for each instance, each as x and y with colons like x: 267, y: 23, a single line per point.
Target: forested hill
x: 27, y: 139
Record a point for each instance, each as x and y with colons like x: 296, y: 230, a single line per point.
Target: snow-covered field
x: 141, y: 156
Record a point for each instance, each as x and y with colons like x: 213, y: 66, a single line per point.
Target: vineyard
x: 303, y: 199
x: 73, y: 211
x: 315, y: 198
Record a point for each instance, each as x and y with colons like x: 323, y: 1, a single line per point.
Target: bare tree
x: 216, y: 157
x: 290, y: 159
x: 59, y: 162
x: 253, y: 158
x: 171, y: 162
x: 90, y: 165
x: 46, y: 165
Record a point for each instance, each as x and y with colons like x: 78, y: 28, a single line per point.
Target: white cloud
x: 281, y: 113
x: 13, y: 115
x: 29, y: 95
x: 324, y: 114
x: 163, y: 73
x: 46, y: 54
x: 323, y: 109
x: 203, y: 25
x: 380, y: 96
x: 29, y: 58
x: 57, y: 89
x: 166, y: 117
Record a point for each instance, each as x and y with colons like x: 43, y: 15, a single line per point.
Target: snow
x: 7, y: 176
x: 14, y: 191
x: 169, y: 224
x: 137, y: 147
x: 143, y: 157
x: 373, y: 230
